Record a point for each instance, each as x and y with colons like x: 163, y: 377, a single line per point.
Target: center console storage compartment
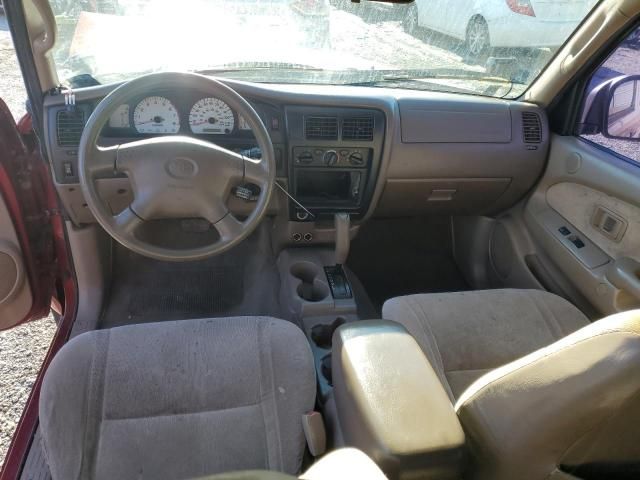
x: 391, y: 404
x: 339, y: 188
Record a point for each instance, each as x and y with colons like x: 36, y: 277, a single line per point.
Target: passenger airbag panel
x: 449, y: 121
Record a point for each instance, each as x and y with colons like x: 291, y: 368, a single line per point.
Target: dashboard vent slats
x: 531, y: 127
x: 358, y: 128
x: 69, y: 126
x: 321, y: 128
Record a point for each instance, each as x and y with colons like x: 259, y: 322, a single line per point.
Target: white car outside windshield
x: 484, y: 47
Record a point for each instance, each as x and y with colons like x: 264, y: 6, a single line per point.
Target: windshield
x: 484, y: 47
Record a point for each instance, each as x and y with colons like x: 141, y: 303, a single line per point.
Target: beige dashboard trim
x: 42, y: 28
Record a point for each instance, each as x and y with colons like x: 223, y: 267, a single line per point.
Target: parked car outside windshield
x: 485, y: 47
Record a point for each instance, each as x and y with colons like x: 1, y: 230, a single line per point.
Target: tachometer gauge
x: 156, y: 115
x: 211, y: 115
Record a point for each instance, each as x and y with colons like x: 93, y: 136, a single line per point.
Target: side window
x: 611, y: 111
x: 12, y: 89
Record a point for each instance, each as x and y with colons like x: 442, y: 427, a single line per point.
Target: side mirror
x: 612, y: 108
x: 622, y: 116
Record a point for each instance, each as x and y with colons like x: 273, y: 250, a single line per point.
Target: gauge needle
x: 153, y: 120
x: 201, y: 123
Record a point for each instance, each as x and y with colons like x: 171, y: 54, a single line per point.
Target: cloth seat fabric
x: 467, y: 334
x: 178, y: 399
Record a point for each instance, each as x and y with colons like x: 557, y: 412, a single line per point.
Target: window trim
x: 607, y: 150
x: 573, y: 95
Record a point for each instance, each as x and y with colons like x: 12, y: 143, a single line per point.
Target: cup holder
x: 311, y: 288
x: 322, y: 334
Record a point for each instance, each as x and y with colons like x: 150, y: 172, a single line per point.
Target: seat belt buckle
x: 315, y: 433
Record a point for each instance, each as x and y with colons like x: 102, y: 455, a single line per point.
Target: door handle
x: 624, y: 274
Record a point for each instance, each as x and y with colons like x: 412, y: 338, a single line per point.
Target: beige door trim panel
x: 580, y: 205
x: 15, y: 292
x: 580, y: 178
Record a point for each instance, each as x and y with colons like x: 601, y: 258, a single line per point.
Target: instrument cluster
x: 159, y: 115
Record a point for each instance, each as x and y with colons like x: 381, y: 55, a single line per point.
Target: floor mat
x: 394, y: 257
x: 242, y: 281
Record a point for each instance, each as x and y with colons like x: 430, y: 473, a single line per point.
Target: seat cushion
x: 178, y: 400
x: 467, y: 334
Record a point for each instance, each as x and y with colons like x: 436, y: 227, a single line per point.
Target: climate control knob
x: 356, y: 159
x: 330, y: 157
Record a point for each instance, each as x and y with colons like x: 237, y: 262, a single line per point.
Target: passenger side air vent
x: 531, y: 127
x: 321, y: 128
x: 357, y: 128
x: 69, y: 126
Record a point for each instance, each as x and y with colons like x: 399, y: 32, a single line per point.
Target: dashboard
x: 366, y: 151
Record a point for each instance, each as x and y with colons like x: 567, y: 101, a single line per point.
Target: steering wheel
x: 173, y: 176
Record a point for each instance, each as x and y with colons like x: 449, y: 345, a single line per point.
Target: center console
x: 391, y: 405
x: 334, y: 159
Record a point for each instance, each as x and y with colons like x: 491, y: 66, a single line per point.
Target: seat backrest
x: 181, y: 399
x: 570, y: 410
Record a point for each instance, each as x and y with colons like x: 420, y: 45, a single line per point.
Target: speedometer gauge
x: 156, y: 115
x: 211, y: 115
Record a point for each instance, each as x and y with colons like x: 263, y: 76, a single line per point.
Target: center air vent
x: 69, y: 126
x: 357, y: 128
x: 321, y: 128
x: 531, y: 127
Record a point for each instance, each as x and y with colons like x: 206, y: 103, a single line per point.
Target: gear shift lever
x: 342, y: 223
x: 338, y: 282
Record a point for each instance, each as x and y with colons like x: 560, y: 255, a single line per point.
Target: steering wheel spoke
x: 255, y: 171
x: 104, y: 160
x: 229, y: 227
x: 127, y: 221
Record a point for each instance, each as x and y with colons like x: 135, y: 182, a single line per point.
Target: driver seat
x: 180, y: 399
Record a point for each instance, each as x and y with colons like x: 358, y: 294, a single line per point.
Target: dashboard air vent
x: 321, y: 128
x: 357, y: 128
x: 69, y: 126
x: 531, y: 127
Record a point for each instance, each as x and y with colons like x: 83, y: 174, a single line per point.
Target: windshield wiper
x: 252, y: 66
x: 377, y: 77
x: 421, y: 78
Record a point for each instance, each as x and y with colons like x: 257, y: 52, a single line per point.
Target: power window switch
x: 564, y: 231
x: 578, y: 243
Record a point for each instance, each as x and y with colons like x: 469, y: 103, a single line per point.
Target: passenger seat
x: 540, y: 392
x: 467, y: 334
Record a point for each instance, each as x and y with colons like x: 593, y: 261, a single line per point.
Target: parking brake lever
x: 342, y: 223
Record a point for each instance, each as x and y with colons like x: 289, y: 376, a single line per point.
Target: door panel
x: 595, y: 196
x: 16, y: 299
x: 28, y: 267
x: 584, y: 207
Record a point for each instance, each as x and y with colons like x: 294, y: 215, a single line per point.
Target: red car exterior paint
x: 35, y: 206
